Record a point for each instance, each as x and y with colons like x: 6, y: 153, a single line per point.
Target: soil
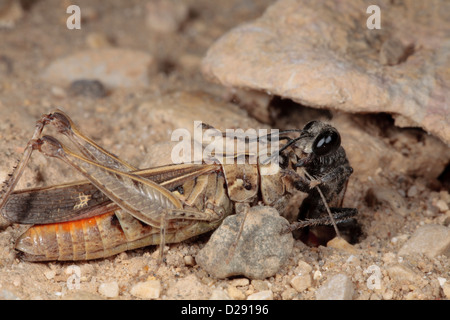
x: 40, y: 37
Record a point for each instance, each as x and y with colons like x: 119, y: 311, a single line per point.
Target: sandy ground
x: 40, y: 37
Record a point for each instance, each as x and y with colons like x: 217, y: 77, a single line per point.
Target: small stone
x: 431, y: 240
x: 441, y: 205
x: 262, y: 295
x: 166, y: 16
x: 88, y: 88
x: 317, y: 275
x: 403, y: 274
x: 289, y: 294
x: 341, y: 244
x: 58, y: 92
x: 188, y: 288
x: 261, y: 249
x: 353, y: 260
x: 189, y: 261
x: 446, y: 290
x: 109, y: 289
x: 388, y: 294
x: 241, y: 282
x: 219, y: 294
x: 50, y: 274
x: 301, y: 282
x: 8, y: 295
x: 235, y: 293
x: 303, y: 267
x: 412, y: 192
x: 150, y: 289
x: 260, y: 285
x: 81, y: 295
x: 339, y: 287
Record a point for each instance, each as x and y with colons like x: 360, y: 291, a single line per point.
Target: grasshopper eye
x: 326, y: 142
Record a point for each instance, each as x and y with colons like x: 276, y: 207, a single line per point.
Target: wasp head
x: 317, y: 139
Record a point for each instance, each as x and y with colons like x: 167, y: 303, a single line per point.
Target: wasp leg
x: 340, y: 215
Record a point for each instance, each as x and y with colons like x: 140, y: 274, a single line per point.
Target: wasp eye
x: 326, y: 142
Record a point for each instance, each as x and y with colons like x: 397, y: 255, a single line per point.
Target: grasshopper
x: 120, y: 207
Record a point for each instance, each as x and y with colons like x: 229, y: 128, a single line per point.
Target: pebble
x: 260, y: 285
x: 339, y: 287
x: 431, y: 240
x: 261, y: 295
x: 114, y: 67
x: 261, y: 249
x: 289, y: 294
x: 341, y: 244
x: 88, y: 88
x: 50, y: 274
x: 81, y: 295
x: 240, y: 282
x: 446, y: 290
x: 412, y: 192
x: 219, y: 294
x: 317, y: 275
x: 8, y: 295
x: 441, y: 205
x: 109, y: 289
x: 301, y: 282
x: 235, y: 293
x: 403, y: 274
x: 150, y: 289
x: 189, y: 261
x: 166, y: 16
x: 188, y: 288
x: 303, y: 267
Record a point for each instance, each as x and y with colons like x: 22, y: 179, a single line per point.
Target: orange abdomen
x: 91, y: 238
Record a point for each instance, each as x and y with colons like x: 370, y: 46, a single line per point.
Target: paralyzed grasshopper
x: 121, y: 207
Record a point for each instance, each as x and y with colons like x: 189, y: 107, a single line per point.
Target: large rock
x: 261, y: 251
x: 322, y: 54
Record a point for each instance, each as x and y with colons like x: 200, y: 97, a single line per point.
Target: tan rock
x: 339, y: 287
x: 301, y: 282
x: 150, y: 289
x: 341, y: 244
x: 325, y: 56
x: 112, y: 66
x: 262, y: 295
x: 430, y: 240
